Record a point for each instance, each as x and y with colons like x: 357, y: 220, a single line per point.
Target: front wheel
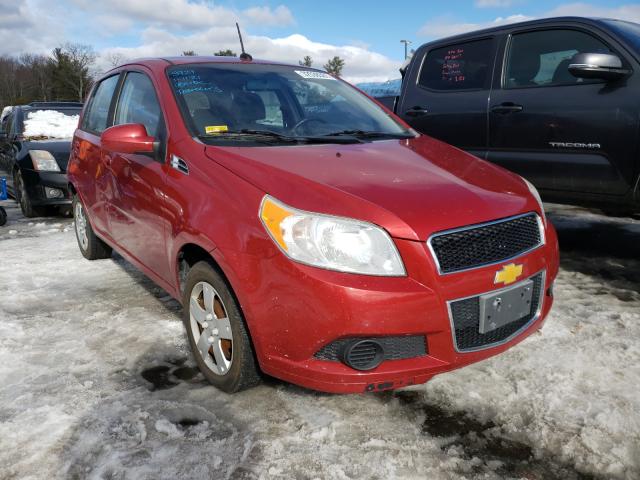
x: 91, y: 247
x: 28, y: 210
x: 216, y: 331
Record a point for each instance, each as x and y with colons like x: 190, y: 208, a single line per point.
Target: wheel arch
x: 191, y: 253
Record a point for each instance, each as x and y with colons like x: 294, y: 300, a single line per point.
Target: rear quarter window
x: 460, y: 66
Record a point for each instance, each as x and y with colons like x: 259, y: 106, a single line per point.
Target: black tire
x: 242, y: 373
x: 92, y: 248
x: 3, y: 216
x: 28, y: 210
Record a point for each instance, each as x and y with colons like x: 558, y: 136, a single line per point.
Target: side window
x: 542, y: 58
x: 462, y: 66
x: 138, y: 103
x: 97, y: 115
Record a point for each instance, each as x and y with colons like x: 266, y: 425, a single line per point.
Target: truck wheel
x: 91, y: 247
x: 216, y: 331
x: 28, y: 210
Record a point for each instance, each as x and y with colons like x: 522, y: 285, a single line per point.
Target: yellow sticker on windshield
x: 216, y: 129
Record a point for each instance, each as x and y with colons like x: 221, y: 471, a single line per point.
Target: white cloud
x: 24, y: 28
x: 361, y: 64
x: 265, y: 16
x: 629, y: 12
x: 186, y: 14
x: 446, y: 26
x: 493, y: 3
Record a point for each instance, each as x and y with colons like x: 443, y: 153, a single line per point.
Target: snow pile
x: 50, y: 124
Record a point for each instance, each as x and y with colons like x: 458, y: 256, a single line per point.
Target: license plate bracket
x: 498, y: 309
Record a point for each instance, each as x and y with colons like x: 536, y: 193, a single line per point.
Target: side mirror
x: 603, y: 66
x: 127, y: 138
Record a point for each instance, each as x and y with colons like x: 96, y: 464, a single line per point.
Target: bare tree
x: 189, y: 53
x: 114, y: 59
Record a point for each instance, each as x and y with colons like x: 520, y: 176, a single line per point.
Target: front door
x: 137, y: 210
x: 563, y: 133
x: 449, y: 99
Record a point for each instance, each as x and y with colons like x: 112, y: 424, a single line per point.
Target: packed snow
x: 47, y: 124
x: 98, y: 383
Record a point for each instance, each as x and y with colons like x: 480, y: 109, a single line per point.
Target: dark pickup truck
x: 555, y: 100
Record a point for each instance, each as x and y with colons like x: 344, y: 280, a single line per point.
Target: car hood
x: 412, y: 187
x: 60, y: 149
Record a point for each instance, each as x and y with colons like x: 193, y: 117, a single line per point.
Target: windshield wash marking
x: 315, y: 75
x: 188, y: 81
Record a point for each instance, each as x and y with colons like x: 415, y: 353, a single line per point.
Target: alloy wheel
x: 211, y: 328
x: 81, y: 226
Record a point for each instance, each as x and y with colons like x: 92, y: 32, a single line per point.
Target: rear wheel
x: 91, y: 247
x: 216, y: 331
x: 28, y: 210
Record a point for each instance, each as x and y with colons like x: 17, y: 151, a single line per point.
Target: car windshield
x: 50, y: 124
x: 224, y: 103
x: 629, y: 30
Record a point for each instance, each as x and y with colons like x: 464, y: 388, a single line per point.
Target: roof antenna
x: 244, y: 55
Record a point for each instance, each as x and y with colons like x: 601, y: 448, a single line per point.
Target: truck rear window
x: 460, y: 66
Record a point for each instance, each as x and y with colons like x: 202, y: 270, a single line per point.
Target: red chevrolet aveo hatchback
x: 308, y: 232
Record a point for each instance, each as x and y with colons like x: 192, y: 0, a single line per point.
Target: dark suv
x: 35, y: 142
x: 555, y: 100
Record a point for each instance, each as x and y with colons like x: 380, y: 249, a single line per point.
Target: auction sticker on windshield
x: 315, y: 75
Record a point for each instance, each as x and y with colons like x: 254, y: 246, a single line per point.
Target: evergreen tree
x: 307, y: 61
x: 70, y: 71
x: 225, y: 53
x: 334, y: 66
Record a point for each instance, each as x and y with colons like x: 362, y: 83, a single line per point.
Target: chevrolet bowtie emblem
x: 508, y: 274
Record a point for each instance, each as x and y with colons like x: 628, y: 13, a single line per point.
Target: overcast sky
x: 366, y: 34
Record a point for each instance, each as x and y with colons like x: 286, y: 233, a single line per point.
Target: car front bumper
x: 313, y: 308
x: 37, y: 183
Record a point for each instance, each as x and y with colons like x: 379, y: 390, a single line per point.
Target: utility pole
x: 406, y: 43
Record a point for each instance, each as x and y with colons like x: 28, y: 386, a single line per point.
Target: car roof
x: 535, y: 22
x: 156, y: 62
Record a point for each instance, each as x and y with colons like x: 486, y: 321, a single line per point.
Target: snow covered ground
x: 97, y: 382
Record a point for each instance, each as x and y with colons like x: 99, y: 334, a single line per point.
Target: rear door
x: 446, y: 92
x: 137, y: 210
x: 563, y: 133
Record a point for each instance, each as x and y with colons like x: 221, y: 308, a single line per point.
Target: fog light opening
x: 51, y: 192
x: 363, y: 354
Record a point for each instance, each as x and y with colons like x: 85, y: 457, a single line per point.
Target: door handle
x: 416, y: 112
x: 507, y: 107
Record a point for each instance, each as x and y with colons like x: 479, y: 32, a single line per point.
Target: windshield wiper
x: 249, y: 132
x: 279, y: 136
x: 369, y: 134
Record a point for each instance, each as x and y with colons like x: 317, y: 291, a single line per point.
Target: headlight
x: 534, y: 192
x: 334, y: 243
x: 43, y: 161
